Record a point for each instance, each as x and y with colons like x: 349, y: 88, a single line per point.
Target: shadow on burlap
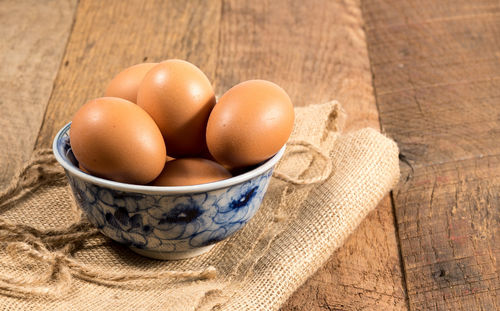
x: 327, y: 182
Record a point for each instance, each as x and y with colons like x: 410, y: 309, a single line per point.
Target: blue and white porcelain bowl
x: 165, y: 222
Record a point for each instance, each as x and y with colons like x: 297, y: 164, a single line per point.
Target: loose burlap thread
x: 51, y: 258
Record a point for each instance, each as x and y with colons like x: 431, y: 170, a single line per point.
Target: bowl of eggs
x: 158, y: 164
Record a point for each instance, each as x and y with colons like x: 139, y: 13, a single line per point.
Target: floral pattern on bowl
x: 164, y: 225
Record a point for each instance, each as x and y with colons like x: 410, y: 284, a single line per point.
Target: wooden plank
x: 449, y: 219
x: 34, y: 35
x: 317, y: 53
x: 436, y: 77
x: 112, y: 35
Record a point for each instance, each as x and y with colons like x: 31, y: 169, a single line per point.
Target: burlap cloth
x: 52, y: 259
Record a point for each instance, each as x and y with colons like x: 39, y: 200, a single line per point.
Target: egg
x: 126, y: 83
x: 179, y: 97
x: 190, y: 171
x: 115, y: 139
x: 249, y: 124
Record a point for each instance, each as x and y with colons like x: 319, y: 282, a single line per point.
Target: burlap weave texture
x: 294, y: 232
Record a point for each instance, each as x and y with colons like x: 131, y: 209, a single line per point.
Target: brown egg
x: 126, y: 83
x: 190, y: 171
x: 115, y: 139
x: 249, y: 124
x: 179, y: 97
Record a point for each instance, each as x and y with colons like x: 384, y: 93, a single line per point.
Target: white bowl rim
x: 269, y: 164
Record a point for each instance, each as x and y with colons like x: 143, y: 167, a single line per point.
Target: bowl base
x: 173, y: 255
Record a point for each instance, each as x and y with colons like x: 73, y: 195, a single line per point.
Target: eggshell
x: 126, y: 83
x: 115, y: 139
x: 190, y: 171
x: 249, y: 124
x: 179, y: 97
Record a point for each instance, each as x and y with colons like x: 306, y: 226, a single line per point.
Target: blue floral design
x: 167, y: 223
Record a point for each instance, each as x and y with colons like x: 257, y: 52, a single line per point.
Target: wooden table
x: 427, y: 73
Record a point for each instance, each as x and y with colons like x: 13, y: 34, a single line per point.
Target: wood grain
x: 34, y: 35
x: 449, y: 218
x: 317, y: 53
x: 436, y: 77
x: 108, y: 37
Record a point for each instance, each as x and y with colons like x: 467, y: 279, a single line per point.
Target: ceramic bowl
x: 166, y: 222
